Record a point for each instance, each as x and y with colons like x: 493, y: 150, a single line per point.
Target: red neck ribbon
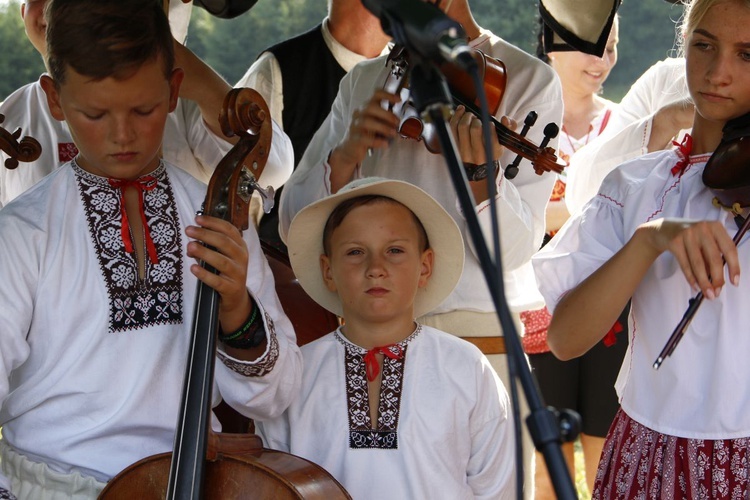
x: 142, y: 184
x: 683, y: 151
x: 393, y: 351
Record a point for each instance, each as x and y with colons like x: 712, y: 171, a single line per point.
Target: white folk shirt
x: 187, y: 143
x: 91, y: 363
x: 532, y: 86
x: 628, y: 132
x: 444, y: 427
x: 700, y: 391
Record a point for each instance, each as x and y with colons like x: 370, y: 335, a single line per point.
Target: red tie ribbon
x: 371, y: 362
x: 610, y: 339
x: 142, y: 184
x: 683, y: 151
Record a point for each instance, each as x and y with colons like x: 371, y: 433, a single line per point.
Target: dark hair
x: 342, y: 210
x: 106, y: 38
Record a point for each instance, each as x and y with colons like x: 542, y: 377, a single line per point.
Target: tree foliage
x: 647, y: 33
x: 20, y: 63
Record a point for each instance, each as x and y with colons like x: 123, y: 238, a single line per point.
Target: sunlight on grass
x: 580, y: 479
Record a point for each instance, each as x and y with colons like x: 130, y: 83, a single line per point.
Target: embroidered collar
x: 351, y: 346
x: 159, y: 174
x: 362, y: 435
x: 135, y: 301
x: 141, y: 184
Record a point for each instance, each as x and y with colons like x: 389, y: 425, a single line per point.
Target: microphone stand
x: 433, y: 100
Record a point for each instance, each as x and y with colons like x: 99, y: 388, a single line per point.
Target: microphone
x: 423, y: 29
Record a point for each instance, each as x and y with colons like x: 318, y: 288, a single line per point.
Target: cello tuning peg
x: 267, y: 195
x: 250, y: 185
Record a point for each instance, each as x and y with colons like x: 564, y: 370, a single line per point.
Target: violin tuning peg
x: 511, y: 171
x: 528, y: 122
x: 550, y: 132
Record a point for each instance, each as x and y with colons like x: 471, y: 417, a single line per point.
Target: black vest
x: 310, y: 78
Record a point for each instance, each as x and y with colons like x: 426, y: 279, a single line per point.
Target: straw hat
x: 305, y: 241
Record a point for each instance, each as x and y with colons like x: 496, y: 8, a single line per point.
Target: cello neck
x: 187, y: 471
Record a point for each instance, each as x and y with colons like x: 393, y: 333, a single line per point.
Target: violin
x: 205, y: 464
x: 26, y: 150
x: 463, y: 92
x: 727, y: 174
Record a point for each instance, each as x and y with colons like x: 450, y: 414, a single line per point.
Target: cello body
x: 259, y: 474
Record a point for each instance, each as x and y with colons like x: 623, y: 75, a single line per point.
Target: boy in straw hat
x: 390, y: 407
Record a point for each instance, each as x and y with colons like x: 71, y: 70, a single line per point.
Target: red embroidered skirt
x: 638, y: 462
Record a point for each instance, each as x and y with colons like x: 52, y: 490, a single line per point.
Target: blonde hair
x: 695, y: 11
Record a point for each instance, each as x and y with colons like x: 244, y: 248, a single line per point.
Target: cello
x: 205, y: 464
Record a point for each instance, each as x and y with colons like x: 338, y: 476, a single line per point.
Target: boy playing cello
x: 97, y: 291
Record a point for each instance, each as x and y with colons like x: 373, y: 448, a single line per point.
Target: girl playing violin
x: 682, y: 431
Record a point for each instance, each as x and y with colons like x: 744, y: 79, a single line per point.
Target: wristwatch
x: 476, y: 172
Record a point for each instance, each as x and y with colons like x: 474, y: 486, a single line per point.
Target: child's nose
x: 124, y: 132
x: 376, y: 267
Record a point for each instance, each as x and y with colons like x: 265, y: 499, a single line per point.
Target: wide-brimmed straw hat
x: 305, y: 241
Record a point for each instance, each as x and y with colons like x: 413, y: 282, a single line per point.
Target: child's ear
x: 53, y: 97
x: 175, y: 80
x: 428, y: 260
x: 325, y: 269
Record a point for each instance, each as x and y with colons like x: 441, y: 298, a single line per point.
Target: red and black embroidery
x: 361, y: 433
x: 135, y: 303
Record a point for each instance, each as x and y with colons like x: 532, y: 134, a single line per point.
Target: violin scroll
x: 26, y: 150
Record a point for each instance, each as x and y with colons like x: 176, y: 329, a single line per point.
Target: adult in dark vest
x: 299, y: 79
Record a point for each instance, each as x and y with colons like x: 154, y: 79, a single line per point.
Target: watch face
x: 476, y: 172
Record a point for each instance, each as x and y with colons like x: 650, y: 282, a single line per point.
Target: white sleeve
x: 522, y: 201
x: 280, y: 162
x: 264, y: 76
x: 583, y: 245
x: 593, y: 162
x: 628, y: 131
x: 263, y: 388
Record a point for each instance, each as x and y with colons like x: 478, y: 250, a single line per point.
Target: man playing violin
x: 360, y: 122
